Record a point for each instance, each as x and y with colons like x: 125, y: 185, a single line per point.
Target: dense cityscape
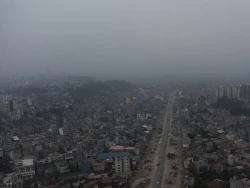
x: 79, y: 132
x: 124, y: 94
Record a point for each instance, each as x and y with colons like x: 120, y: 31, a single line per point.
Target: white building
x: 4, y: 107
x: 25, y: 168
x: 186, y: 113
x: 61, y: 130
x: 236, y: 92
x: 229, y: 91
x: 220, y: 92
x: 15, y: 139
x: 231, y: 160
x: 159, y: 97
x: 5, y: 97
x: 29, y: 101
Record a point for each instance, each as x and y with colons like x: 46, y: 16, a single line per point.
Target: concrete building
x: 120, y: 160
x: 220, y: 92
x: 236, y: 92
x: 186, y: 113
x: 25, y: 168
x: 11, y: 180
x: 240, y: 183
x: 243, y: 91
x: 231, y: 160
x: 61, y: 130
x: 29, y: 101
x: 5, y: 97
x: 122, y: 165
x: 98, y: 166
x: 229, y: 92
x: 62, y: 168
x: 4, y: 107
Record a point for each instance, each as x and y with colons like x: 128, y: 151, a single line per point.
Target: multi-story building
x: 122, y: 164
x: 4, y: 107
x: 25, y: 168
x: 5, y: 98
x: 229, y: 92
x: 220, y: 92
x: 98, y: 166
x: 240, y: 183
x: 233, y: 91
x: 16, y: 109
x: 247, y: 92
x: 29, y: 101
x: 243, y: 91
x: 61, y: 131
x: 236, y: 92
x: 12, y: 180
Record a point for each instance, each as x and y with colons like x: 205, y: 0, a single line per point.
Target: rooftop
x: 28, y: 162
x: 203, y: 164
x: 15, y: 138
x: 104, y: 156
x: 117, y: 147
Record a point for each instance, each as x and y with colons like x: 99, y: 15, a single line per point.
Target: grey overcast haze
x: 126, y: 38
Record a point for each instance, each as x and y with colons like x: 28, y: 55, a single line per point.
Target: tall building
x: 229, y: 92
x: 25, y: 168
x: 247, y: 97
x: 16, y: 109
x: 5, y: 97
x: 122, y: 164
x: 29, y: 101
x: 4, y: 107
x: 233, y: 92
x: 220, y: 92
x: 236, y: 92
x: 243, y: 91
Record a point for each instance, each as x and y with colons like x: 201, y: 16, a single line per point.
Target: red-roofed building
x: 121, y: 149
x: 116, y: 148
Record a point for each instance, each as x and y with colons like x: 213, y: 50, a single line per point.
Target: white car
x: 157, y: 183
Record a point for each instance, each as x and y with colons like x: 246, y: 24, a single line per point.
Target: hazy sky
x: 125, y: 37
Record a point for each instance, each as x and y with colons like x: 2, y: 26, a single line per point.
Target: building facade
x: 122, y: 166
x: 25, y: 168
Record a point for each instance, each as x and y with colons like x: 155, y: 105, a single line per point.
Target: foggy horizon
x: 128, y: 39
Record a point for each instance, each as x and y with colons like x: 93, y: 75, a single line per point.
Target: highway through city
x: 161, y: 154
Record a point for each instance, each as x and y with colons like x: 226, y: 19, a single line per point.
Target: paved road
x: 157, y: 179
